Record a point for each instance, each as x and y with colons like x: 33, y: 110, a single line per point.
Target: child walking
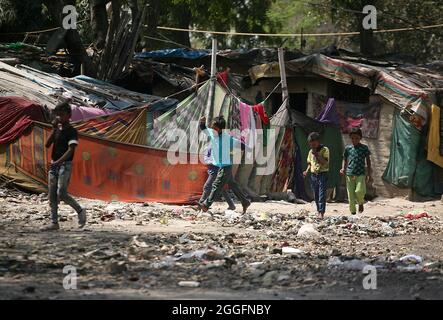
x: 318, y: 166
x: 64, y: 140
x: 354, y: 158
x: 222, y: 144
x: 212, y: 174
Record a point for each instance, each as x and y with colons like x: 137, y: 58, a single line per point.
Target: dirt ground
x: 144, y: 251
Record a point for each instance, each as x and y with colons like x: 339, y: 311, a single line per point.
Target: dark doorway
x: 297, y: 101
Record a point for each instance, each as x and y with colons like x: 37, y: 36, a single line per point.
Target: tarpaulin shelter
x: 330, y: 136
x: 110, y: 162
x: 123, y: 155
x: 185, y: 117
x: 408, y: 167
x: 397, y: 85
x: 16, y: 115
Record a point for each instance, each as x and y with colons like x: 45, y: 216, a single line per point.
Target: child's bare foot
x: 361, y: 208
x: 196, y: 206
x: 203, y: 207
x: 50, y: 227
x: 246, y: 206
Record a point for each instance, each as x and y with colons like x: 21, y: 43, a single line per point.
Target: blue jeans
x: 319, y: 183
x: 224, y: 176
x: 212, y: 174
x: 58, y: 182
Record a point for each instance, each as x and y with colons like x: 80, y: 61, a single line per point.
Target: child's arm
x: 344, y: 166
x: 202, y: 123
x: 208, y: 131
x: 66, y: 156
x: 52, y: 136
x: 305, y: 173
x: 50, y: 140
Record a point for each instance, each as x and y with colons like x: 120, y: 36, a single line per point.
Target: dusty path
x: 136, y: 251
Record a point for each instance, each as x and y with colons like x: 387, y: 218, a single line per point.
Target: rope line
x: 187, y: 89
x: 297, y: 34
x: 40, y: 31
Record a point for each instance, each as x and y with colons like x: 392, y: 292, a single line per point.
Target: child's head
x: 62, y: 112
x: 355, y: 135
x: 218, y: 124
x: 314, y: 140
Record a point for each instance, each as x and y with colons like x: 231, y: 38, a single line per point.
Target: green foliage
x: 263, y: 16
x: 17, y: 16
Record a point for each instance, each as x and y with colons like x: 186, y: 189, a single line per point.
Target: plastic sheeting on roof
x: 174, y: 53
x: 391, y: 83
x: 16, y: 115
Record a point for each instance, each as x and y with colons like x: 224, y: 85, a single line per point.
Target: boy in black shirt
x: 64, y: 140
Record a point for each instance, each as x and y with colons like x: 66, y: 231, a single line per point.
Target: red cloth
x: 260, y: 110
x: 222, y: 78
x: 16, y: 114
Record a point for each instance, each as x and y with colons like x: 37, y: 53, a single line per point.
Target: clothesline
x: 352, y: 33
x: 239, y: 99
x: 187, y: 89
x: 273, y: 90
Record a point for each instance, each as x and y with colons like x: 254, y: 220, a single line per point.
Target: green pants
x: 356, y: 186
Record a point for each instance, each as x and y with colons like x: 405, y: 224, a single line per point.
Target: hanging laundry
x: 329, y: 113
x: 260, y: 110
x: 245, y: 110
x: 434, y: 138
x: 248, y: 127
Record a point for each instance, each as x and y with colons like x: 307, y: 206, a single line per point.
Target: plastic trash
x: 354, y: 264
x: 231, y: 214
x: 164, y: 220
x: 189, y: 284
x: 138, y: 243
x: 411, y: 259
x: 178, y: 211
x: 308, y: 231
x: 292, y: 251
x: 412, y: 216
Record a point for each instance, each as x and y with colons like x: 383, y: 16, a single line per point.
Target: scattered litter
x: 308, y: 231
x: 412, y: 216
x: 411, y: 259
x: 189, y: 284
x: 231, y: 215
x: 292, y: 251
x: 137, y: 243
x: 107, y: 217
x: 117, y: 267
x: 204, y: 254
x: 353, y: 264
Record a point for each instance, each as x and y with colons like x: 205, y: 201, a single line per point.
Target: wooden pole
x: 214, y: 57
x: 212, y: 82
x: 284, y: 86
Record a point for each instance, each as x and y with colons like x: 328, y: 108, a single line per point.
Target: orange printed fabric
x: 108, y: 171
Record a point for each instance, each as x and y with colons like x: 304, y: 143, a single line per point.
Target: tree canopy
x: 255, y: 16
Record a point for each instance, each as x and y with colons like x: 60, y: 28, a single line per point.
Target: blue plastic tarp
x: 174, y: 53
